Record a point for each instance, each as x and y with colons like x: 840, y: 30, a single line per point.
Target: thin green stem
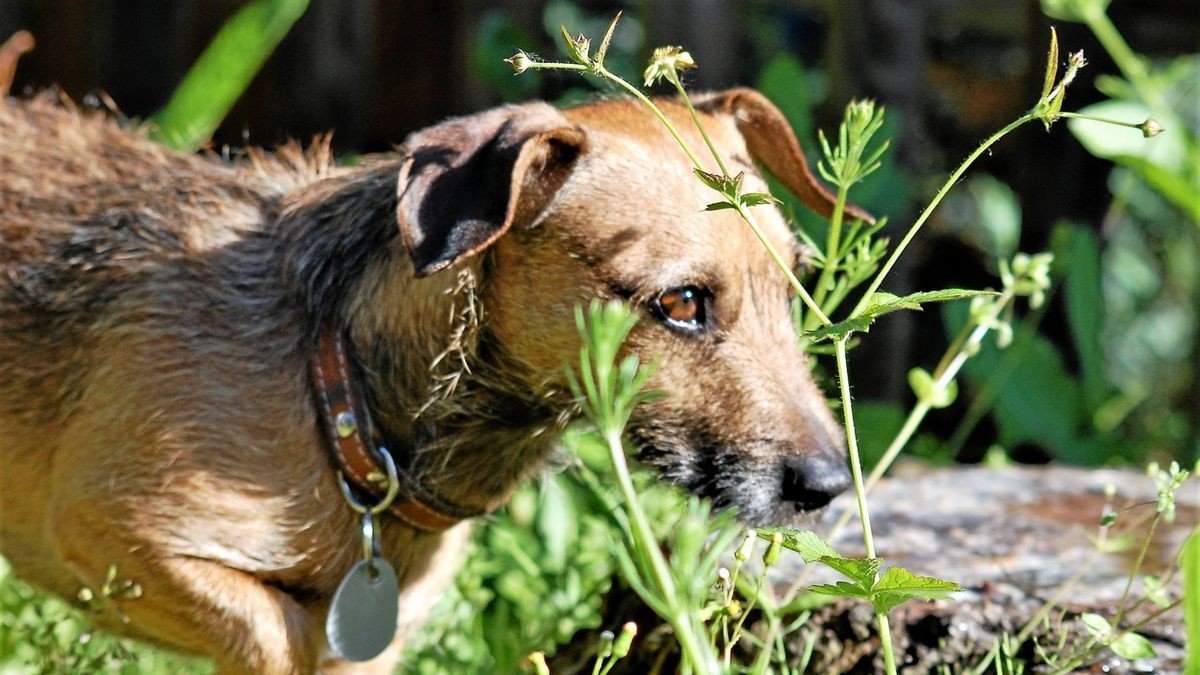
x: 692, y: 649
x: 1106, y: 120
x: 779, y: 262
x: 637, y: 93
x: 948, y: 368
x: 950, y: 182
x: 696, y: 120
x: 860, y: 491
x: 832, y: 248
x: 1132, y: 66
x: 1137, y: 566
x: 741, y: 208
x: 885, y: 642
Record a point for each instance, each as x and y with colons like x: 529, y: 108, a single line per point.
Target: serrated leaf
x: 717, y: 206
x: 810, y: 546
x: 1096, y: 625
x: 840, y: 330
x: 898, y: 585
x: 860, y: 570
x: 1132, y: 646
x: 885, y: 303
x: 842, y: 589
x: 758, y: 198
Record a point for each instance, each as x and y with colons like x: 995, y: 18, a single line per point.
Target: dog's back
x: 125, y: 270
x: 88, y: 213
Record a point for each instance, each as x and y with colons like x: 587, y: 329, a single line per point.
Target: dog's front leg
x: 198, y: 605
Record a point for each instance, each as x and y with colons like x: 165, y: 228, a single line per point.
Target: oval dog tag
x: 362, y: 617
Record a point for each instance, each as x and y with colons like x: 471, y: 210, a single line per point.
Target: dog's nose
x: 811, y: 481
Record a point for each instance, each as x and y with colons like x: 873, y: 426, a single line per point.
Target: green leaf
x: 885, y: 303
x: 859, y: 570
x: 840, y: 330
x: 1132, y: 646
x: 810, y: 546
x: 217, y: 79
x: 843, y: 589
x: 726, y: 185
x: 1078, y: 251
x: 1189, y: 564
x: 758, y: 199
x: 898, y: 585
x: 718, y: 206
x: 1096, y: 625
x: 1030, y: 394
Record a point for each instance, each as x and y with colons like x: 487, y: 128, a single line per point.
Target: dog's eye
x: 682, y: 307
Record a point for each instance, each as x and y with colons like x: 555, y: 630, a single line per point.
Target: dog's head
x: 600, y: 202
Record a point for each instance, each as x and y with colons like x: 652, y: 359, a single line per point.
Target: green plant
x: 223, y: 72
x: 843, y: 265
x: 1129, y: 291
x: 44, y: 635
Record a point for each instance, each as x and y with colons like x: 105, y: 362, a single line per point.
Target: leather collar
x: 353, y: 444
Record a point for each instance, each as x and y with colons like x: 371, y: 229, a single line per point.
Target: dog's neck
x: 439, y: 388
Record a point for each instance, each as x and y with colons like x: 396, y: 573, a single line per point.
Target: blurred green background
x: 1106, y: 372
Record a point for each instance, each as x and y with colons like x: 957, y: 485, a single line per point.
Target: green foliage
x: 886, y: 303
x: 895, y: 586
x: 224, y: 71
x: 1189, y: 562
x: 536, y: 574
x: 44, y: 635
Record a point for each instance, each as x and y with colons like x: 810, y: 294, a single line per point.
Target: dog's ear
x: 466, y: 181
x: 770, y: 139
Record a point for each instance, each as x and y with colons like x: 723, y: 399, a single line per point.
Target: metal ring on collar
x: 393, y: 486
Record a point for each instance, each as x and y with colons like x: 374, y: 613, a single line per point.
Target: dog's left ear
x: 770, y: 139
x: 466, y: 181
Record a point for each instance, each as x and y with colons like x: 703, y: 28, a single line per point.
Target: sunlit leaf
x: 1132, y: 646
x: 898, y: 585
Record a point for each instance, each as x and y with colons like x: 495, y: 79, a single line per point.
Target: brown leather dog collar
x: 352, y: 443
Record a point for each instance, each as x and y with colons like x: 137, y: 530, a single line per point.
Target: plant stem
x: 885, y: 631
x: 1137, y: 566
x: 852, y: 441
x: 1132, y: 66
x: 696, y: 120
x: 604, y: 73
x: 779, y: 262
x: 885, y: 642
x: 832, y: 245
x: 692, y: 648
x: 952, y: 362
x: 950, y: 182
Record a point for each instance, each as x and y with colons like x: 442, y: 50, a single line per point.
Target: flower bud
x: 625, y: 640
x: 772, y: 554
x: 606, y: 644
x: 520, y: 62
x: 743, y: 552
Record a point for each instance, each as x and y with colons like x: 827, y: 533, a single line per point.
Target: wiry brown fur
x: 157, y: 311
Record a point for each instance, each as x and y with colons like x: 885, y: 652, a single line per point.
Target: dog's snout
x: 811, y: 481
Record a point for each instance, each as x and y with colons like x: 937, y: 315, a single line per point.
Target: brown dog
x: 166, y: 318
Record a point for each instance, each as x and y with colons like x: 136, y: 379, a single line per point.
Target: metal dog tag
x: 362, y: 618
